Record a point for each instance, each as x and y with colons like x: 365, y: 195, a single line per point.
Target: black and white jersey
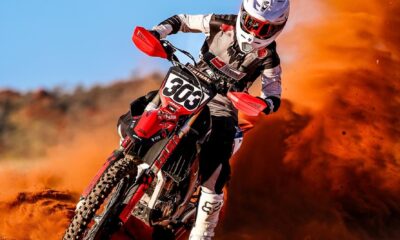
x: 220, y: 50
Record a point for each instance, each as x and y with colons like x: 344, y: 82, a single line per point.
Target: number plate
x: 183, y: 92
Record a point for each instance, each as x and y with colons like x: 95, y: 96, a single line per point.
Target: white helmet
x: 259, y: 23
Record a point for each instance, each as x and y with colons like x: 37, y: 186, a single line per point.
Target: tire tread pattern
x: 109, y: 179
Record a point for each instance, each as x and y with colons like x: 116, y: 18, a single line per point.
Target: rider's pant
x: 215, y: 154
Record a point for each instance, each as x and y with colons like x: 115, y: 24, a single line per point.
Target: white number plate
x: 183, y: 92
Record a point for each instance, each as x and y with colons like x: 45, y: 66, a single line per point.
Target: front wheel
x: 107, y: 187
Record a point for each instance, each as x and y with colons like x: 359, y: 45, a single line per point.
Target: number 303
x: 182, y: 93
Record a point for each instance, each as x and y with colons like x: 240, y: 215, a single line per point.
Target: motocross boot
x: 210, y: 204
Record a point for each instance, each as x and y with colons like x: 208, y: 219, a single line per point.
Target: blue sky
x: 65, y: 43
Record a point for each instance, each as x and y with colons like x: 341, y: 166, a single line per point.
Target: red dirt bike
x: 152, y: 178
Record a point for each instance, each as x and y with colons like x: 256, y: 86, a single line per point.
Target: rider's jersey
x: 221, y: 52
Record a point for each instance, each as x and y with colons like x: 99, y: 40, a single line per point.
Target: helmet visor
x: 260, y: 29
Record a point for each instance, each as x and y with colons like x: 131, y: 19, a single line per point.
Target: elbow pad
x: 175, y: 22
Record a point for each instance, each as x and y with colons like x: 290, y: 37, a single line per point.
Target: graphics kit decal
x: 226, y: 69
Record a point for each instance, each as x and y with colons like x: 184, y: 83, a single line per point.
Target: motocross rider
x: 241, y: 47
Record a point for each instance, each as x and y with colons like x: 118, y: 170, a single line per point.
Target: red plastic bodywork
x: 246, y: 103
x: 148, y: 43
x: 164, y: 118
x: 150, y: 123
x: 154, y: 121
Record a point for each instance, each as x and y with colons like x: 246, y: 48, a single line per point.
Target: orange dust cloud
x: 327, y: 166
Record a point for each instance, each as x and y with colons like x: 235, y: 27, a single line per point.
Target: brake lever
x: 170, y: 50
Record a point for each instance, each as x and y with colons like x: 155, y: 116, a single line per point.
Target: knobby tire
x: 108, y: 180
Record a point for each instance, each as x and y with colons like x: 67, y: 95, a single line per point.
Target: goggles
x: 260, y: 29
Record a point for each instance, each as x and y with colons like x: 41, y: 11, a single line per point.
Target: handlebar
x: 170, y: 49
x: 155, y: 47
x: 220, y: 82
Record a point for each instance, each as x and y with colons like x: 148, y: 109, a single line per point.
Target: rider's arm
x: 184, y: 23
x: 271, y: 88
x: 271, y: 80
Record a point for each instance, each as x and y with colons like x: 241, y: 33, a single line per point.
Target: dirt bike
x: 153, y: 177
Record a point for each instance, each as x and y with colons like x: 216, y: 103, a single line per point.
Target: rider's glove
x: 155, y: 34
x: 270, y: 105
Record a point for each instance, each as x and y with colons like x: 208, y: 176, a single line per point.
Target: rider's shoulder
x: 272, y: 46
x: 218, y: 21
x: 272, y: 58
x: 229, y: 19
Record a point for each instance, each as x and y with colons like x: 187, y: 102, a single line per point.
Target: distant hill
x: 30, y: 122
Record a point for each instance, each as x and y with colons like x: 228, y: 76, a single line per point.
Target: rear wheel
x: 95, y: 209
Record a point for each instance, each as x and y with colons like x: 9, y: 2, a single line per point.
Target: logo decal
x: 263, y: 5
x: 211, y: 208
x: 226, y: 28
x: 218, y: 63
x: 226, y: 69
x: 262, y: 53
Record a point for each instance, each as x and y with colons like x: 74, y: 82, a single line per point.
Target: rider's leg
x: 215, y: 172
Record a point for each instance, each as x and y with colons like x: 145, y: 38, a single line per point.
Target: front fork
x: 148, y: 176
